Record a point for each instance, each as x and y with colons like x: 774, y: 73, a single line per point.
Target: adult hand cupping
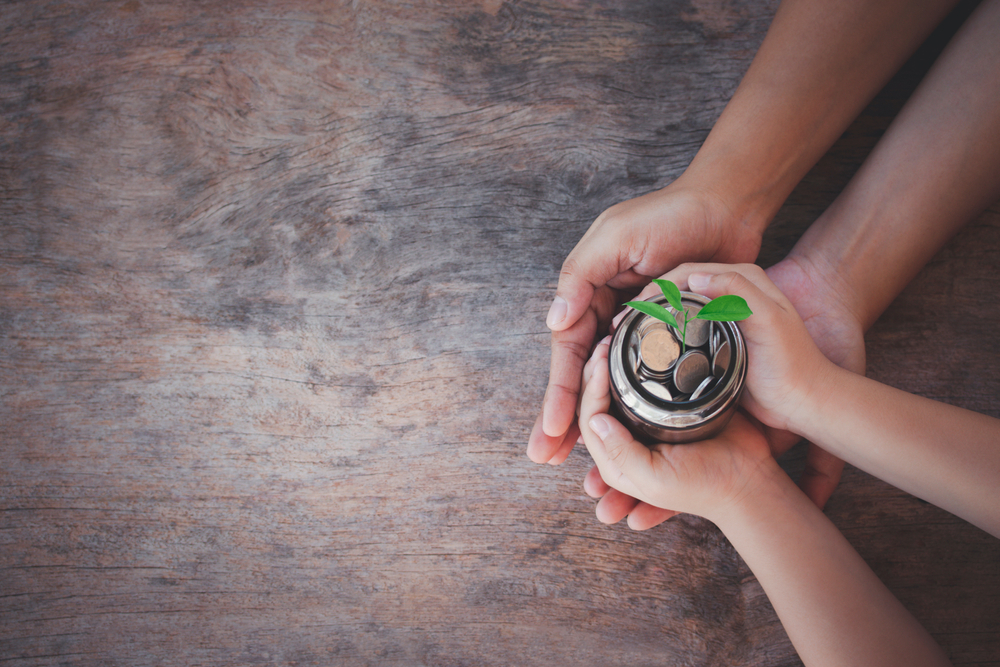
x: 627, y: 246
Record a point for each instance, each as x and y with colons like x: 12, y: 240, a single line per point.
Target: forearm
x: 946, y: 455
x: 817, y: 68
x: 936, y: 167
x: 833, y: 607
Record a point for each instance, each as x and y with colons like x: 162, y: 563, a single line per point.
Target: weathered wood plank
x: 272, y: 284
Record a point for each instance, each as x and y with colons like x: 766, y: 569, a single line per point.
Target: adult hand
x: 629, y: 244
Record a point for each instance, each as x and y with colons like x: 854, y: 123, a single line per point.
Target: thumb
x: 625, y: 464
x: 763, y: 298
x: 593, y: 262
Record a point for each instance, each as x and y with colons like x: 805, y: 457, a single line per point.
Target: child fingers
x: 724, y: 274
x: 615, y: 506
x: 622, y: 460
x: 679, y: 276
x: 764, y: 306
x: 572, y: 435
x: 645, y: 516
x: 588, y: 368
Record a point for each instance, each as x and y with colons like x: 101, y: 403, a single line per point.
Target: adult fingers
x: 543, y: 448
x: 614, y: 506
x: 645, y: 516
x: 601, y: 254
x: 570, y: 351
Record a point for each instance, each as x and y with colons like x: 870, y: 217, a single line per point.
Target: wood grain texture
x: 273, y: 278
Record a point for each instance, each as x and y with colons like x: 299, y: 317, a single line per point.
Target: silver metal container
x: 651, y: 416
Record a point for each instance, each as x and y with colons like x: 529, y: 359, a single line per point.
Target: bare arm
x: 819, y: 65
x: 833, y: 607
x: 946, y: 455
x: 936, y: 167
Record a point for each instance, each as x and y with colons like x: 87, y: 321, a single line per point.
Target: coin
x: 690, y: 370
x: 657, y: 389
x: 720, y: 362
x: 702, y: 387
x: 697, y: 330
x: 659, y: 350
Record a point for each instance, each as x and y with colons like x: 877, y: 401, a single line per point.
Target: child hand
x: 703, y: 479
x: 784, y: 366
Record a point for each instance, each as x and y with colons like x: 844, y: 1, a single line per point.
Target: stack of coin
x: 670, y: 376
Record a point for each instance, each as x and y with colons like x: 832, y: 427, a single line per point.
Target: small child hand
x: 702, y: 479
x: 784, y: 366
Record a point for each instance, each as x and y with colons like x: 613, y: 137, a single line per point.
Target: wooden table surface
x: 273, y: 280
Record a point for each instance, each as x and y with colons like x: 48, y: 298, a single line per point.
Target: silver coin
x: 690, y: 370
x: 702, y: 387
x: 658, y: 390
x: 713, y: 341
x: 720, y: 362
x: 697, y: 330
x: 659, y: 350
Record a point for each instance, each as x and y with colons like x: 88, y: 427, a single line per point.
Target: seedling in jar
x: 726, y: 308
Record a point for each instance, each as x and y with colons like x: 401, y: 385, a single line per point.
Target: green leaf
x: 654, y: 310
x: 671, y: 292
x: 727, y: 308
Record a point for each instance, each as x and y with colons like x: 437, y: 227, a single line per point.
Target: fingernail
x: 557, y: 312
x: 698, y: 281
x: 600, y: 426
x: 604, y: 341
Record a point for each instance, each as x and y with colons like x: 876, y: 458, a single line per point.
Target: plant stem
x: 684, y: 333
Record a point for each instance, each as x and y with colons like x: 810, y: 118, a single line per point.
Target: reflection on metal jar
x: 664, y: 394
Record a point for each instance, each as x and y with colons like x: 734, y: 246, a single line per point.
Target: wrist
x: 816, y: 393
x: 747, y: 189
x: 762, y: 483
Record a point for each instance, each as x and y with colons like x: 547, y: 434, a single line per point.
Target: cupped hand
x: 835, y: 328
x: 703, y: 478
x: 628, y: 245
x: 784, y: 365
x: 825, y: 304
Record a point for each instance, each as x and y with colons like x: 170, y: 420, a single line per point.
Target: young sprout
x: 726, y: 308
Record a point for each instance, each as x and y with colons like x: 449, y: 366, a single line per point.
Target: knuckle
x: 733, y: 281
x: 571, y: 348
x: 570, y: 268
x: 618, y: 454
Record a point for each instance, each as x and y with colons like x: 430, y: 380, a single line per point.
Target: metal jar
x: 652, y: 418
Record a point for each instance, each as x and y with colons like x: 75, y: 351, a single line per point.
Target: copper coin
x: 691, y: 370
x: 697, y: 330
x: 659, y: 350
